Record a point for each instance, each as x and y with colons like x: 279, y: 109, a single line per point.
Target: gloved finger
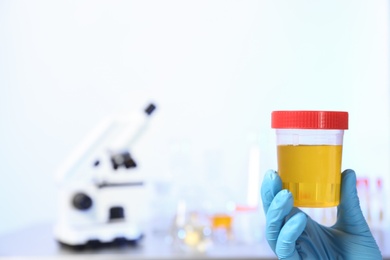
x: 349, y: 215
x: 271, y: 185
x: 292, y: 229
x: 280, y: 207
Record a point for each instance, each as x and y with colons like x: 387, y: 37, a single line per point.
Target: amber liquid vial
x: 309, y: 155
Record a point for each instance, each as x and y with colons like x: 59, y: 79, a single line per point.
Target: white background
x: 215, y: 69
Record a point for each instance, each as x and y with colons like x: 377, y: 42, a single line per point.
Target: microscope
x: 102, y: 194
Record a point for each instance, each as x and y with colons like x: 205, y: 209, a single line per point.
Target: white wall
x: 216, y: 70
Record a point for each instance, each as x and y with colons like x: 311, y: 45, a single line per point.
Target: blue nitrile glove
x: 294, y: 235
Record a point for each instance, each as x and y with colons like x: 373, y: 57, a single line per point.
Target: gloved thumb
x: 350, y: 218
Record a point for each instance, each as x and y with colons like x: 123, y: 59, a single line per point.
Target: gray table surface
x: 37, y: 242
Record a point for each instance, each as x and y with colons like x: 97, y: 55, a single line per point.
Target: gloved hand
x: 294, y: 235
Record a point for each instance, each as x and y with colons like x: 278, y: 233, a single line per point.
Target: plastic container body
x: 309, y: 153
x: 309, y: 164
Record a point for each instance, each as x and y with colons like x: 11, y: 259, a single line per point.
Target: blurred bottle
x: 162, y: 208
x: 253, y: 170
x: 220, y: 197
x: 377, y: 211
x: 190, y: 230
x: 377, y: 201
x: 191, y: 227
x: 220, y: 212
x: 248, y: 226
x: 363, y: 190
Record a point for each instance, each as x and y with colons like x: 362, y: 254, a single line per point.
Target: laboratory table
x: 37, y: 242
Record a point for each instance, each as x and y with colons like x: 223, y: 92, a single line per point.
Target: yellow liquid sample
x: 222, y: 221
x: 312, y: 173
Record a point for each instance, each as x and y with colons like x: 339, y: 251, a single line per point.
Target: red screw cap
x: 300, y: 119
